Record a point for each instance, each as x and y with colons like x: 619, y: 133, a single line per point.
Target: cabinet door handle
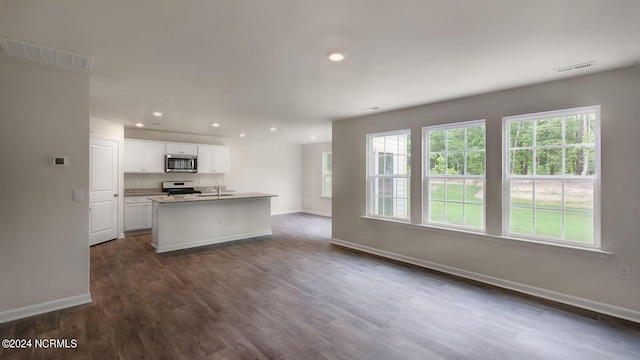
x: 115, y: 195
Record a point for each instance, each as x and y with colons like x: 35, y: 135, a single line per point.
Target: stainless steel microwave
x: 180, y: 163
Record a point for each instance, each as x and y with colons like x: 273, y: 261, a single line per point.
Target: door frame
x: 120, y: 179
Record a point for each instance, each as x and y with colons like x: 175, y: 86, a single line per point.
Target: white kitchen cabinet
x: 137, y: 213
x: 213, y: 159
x: 185, y: 149
x: 142, y: 156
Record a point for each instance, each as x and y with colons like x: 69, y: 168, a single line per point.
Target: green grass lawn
x: 465, y: 213
x: 467, y: 210
x: 577, y: 226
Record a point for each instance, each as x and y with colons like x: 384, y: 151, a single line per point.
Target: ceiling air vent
x: 42, y: 54
x: 575, y: 67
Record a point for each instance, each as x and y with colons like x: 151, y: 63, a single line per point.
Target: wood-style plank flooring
x: 292, y: 295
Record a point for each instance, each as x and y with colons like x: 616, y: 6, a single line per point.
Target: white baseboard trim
x: 137, y: 232
x: 121, y: 236
x: 216, y: 240
x: 615, y: 311
x: 284, y: 212
x: 37, y: 309
x: 313, y: 212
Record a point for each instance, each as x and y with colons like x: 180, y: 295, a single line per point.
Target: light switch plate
x: 78, y: 195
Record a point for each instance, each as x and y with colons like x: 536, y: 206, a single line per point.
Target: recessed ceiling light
x: 242, y: 135
x: 215, y: 125
x: 372, y: 108
x: 313, y: 137
x: 157, y: 113
x: 273, y: 128
x: 139, y: 124
x: 336, y: 56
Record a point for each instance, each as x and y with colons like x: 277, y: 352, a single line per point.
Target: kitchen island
x: 186, y: 221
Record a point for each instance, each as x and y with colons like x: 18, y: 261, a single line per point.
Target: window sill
x: 574, y: 250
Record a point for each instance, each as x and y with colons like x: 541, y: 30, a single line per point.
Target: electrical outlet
x: 136, y: 182
x: 624, y: 272
x: 220, y: 220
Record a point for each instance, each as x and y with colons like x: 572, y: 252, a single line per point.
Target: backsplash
x: 154, y: 181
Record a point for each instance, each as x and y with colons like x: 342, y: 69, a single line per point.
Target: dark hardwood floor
x: 292, y: 295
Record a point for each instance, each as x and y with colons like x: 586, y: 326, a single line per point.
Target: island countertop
x: 186, y: 221
x: 207, y: 197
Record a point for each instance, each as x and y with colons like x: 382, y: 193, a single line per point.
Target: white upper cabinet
x: 143, y: 156
x: 185, y: 149
x: 213, y: 159
x: 221, y: 159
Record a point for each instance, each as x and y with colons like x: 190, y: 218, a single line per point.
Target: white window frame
x: 507, y: 177
x: 427, y: 176
x: 324, y: 192
x: 372, y: 177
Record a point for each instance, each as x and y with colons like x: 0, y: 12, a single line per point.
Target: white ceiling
x: 253, y: 64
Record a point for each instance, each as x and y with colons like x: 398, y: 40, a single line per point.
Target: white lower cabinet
x: 137, y: 213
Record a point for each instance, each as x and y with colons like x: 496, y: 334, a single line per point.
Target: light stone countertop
x: 207, y: 197
x: 158, y: 191
x: 143, y: 192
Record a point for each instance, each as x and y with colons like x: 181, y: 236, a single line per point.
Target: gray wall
x: 44, y: 245
x: 572, y: 277
x: 312, y: 200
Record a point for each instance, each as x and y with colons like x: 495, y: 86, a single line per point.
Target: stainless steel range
x: 179, y: 187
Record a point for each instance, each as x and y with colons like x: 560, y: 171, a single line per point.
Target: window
x: 326, y: 174
x: 454, y: 175
x: 388, y: 174
x: 551, y: 176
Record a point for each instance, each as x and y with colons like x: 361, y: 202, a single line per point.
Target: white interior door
x: 103, y: 191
